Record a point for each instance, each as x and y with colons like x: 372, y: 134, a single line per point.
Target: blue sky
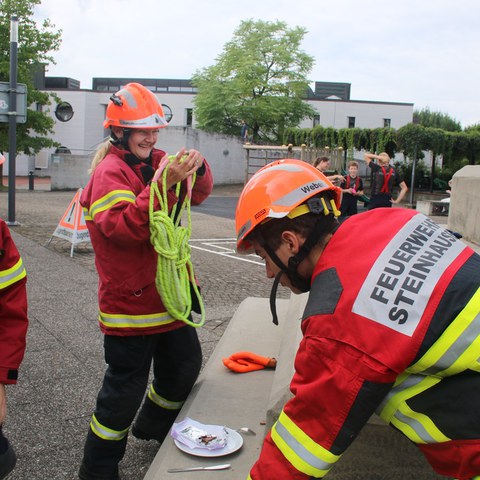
x: 423, y: 52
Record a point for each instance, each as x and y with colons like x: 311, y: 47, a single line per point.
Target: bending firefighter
x: 399, y: 336
x: 136, y: 324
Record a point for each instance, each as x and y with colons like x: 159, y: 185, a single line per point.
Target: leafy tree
x: 427, y: 118
x: 260, y: 77
x: 35, y: 44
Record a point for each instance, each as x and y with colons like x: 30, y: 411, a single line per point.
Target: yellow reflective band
x: 417, y: 427
x: 111, y: 199
x: 458, y: 348
x: 163, y: 402
x: 12, y: 275
x: 300, y: 450
x: 406, y: 387
x: 105, y: 432
x: 135, y: 321
x: 86, y: 214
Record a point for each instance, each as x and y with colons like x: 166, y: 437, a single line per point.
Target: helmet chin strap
x: 291, y: 270
x: 121, y: 141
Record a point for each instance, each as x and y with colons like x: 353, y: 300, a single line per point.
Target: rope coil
x: 175, y: 277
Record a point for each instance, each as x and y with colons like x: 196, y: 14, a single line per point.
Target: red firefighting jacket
x: 115, y: 203
x: 395, y: 329
x: 13, y: 307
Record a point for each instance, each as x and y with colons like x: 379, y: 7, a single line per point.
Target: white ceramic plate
x: 234, y: 443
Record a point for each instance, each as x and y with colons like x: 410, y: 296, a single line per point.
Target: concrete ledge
x: 226, y: 398
x: 433, y: 207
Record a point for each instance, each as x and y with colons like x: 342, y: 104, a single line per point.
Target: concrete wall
x: 69, y: 172
x: 224, y: 153
x: 465, y: 203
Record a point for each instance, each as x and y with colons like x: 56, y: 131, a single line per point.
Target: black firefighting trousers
x: 177, y: 359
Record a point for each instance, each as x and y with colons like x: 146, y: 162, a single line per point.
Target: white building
x: 80, y: 113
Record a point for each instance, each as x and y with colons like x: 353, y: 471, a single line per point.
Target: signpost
x: 12, y: 111
x: 21, y: 107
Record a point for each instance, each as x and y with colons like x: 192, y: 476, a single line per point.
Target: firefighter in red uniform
x: 13, y: 330
x: 136, y: 324
x: 384, y: 178
x: 400, y: 337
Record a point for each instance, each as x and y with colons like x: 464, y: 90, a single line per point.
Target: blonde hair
x: 385, y: 158
x: 100, y: 154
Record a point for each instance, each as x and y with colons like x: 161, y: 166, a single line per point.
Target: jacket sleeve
x: 203, y: 184
x: 13, y: 308
x: 113, y: 204
x: 336, y: 389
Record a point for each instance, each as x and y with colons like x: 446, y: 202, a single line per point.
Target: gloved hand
x: 243, y: 362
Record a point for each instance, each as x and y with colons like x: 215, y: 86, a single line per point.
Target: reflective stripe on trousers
x: 107, y: 433
x: 163, y: 402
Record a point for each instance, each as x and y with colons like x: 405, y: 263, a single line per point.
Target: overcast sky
x: 424, y: 52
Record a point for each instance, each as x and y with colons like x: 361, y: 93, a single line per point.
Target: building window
x: 316, y: 120
x: 188, y: 117
x: 351, y: 122
x: 64, y: 112
x: 168, y: 113
x: 387, y: 122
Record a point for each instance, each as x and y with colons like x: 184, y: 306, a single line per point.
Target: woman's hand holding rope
x: 185, y: 164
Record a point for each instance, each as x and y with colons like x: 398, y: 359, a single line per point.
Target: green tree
x: 260, y: 77
x: 35, y: 46
x: 427, y: 118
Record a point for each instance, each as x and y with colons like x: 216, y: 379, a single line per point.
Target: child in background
x: 352, y: 188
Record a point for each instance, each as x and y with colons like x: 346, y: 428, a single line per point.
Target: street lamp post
x: 12, y: 120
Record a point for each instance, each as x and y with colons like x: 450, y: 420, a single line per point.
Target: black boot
x: 153, y: 422
x: 101, y: 458
x: 85, y: 474
x: 8, y: 459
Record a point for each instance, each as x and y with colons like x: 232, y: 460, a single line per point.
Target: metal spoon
x: 225, y: 466
x: 246, y: 430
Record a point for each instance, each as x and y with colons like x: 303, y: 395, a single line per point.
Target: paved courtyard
x: 49, y: 410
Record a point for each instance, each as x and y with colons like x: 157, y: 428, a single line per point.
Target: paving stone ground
x: 49, y: 410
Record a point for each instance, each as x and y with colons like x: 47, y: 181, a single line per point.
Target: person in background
x: 13, y: 331
x: 136, y: 325
x: 244, y: 131
x: 322, y: 164
x: 385, y: 178
x: 399, y: 336
x: 352, y: 188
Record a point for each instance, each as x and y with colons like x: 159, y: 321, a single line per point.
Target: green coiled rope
x: 175, y: 278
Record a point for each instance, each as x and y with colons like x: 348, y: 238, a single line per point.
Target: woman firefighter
x: 138, y: 327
